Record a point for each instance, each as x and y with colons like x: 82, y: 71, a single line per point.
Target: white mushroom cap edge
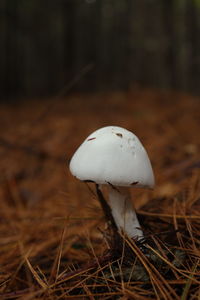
x: 113, y: 155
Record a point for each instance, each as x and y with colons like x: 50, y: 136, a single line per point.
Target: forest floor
x: 53, y: 237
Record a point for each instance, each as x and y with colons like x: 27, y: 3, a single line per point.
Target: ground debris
x: 54, y: 243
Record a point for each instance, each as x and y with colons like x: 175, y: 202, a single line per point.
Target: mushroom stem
x: 123, y: 212
x: 106, y: 208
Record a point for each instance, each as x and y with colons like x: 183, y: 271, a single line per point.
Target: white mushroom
x: 114, y: 156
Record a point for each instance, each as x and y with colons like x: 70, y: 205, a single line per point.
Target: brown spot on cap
x: 134, y: 183
x: 91, y: 139
x: 119, y: 134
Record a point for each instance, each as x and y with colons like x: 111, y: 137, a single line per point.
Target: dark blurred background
x: 109, y: 44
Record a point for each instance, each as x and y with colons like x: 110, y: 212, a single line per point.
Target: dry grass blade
x: 188, y: 284
x: 156, y: 278
x: 36, y: 276
x: 160, y: 215
x: 135, y: 294
x: 56, y: 264
x: 182, y: 272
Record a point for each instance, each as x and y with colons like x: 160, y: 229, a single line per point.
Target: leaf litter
x: 55, y: 243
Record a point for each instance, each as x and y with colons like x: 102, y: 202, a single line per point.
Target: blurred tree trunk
x: 69, y: 30
x: 193, y: 36
x: 11, y: 50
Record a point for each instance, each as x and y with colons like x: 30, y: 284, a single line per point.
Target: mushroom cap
x: 113, y: 155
